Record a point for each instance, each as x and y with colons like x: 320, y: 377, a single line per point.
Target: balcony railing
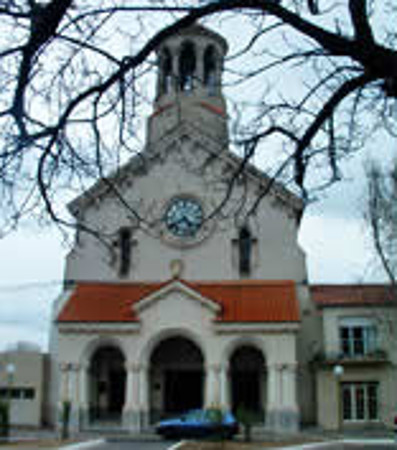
x: 377, y: 355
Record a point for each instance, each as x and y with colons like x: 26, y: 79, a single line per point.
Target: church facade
x: 188, y: 301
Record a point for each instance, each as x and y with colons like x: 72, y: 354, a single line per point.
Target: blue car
x: 199, y: 423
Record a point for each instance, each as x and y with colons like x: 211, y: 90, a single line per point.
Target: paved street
x: 134, y: 445
x: 370, y: 446
x: 347, y: 445
x: 337, y: 445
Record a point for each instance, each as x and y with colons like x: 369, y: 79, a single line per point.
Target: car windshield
x: 194, y: 415
x: 213, y: 415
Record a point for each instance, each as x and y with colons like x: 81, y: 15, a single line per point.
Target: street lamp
x: 10, y: 371
x: 338, y: 373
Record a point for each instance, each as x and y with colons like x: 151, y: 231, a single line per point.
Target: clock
x: 184, y: 217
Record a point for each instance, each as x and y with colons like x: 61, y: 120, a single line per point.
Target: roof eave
x: 266, y: 327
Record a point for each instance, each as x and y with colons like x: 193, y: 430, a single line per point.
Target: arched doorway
x: 107, y: 384
x: 248, y: 381
x: 176, y: 377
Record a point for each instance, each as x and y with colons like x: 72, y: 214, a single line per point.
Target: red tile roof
x: 353, y: 295
x: 240, y: 301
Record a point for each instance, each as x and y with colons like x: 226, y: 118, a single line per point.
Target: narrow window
x: 125, y: 251
x: 187, y: 67
x: 245, y: 250
x: 210, y: 70
x: 166, y: 72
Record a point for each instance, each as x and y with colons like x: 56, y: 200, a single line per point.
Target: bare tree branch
x: 63, y: 83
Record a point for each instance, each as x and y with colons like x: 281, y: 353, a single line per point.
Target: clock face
x: 184, y: 217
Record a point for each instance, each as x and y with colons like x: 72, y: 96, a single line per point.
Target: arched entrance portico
x: 107, y: 384
x: 248, y: 381
x: 176, y: 377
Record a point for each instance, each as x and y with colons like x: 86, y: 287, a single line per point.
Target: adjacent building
x: 24, y: 377
x: 356, y: 364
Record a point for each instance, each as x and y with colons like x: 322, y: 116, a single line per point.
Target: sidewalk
x: 305, y: 439
x: 29, y: 439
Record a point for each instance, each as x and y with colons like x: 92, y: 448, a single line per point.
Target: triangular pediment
x: 175, y: 286
x: 203, y: 148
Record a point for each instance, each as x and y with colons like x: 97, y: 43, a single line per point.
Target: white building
x: 178, y: 306
x: 24, y: 378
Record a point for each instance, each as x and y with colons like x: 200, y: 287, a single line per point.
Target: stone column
x: 212, y: 386
x: 131, y: 419
x: 64, y: 384
x: 144, y: 397
x: 272, y: 387
x: 291, y: 408
x: 224, y: 387
x: 74, y: 397
x: 290, y: 383
x: 83, y: 379
x: 282, y: 411
x: 68, y: 394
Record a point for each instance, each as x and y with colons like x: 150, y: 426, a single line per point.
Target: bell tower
x: 189, y: 85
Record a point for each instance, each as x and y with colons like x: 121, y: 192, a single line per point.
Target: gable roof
x: 141, y: 162
x: 173, y: 287
x: 353, y: 295
x: 239, y: 301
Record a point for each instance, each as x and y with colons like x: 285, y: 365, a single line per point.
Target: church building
x: 186, y: 301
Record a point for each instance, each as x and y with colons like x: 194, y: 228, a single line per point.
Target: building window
x: 187, y: 67
x: 357, y: 337
x: 17, y: 393
x: 245, y: 251
x: 360, y: 401
x: 125, y: 251
x: 28, y: 394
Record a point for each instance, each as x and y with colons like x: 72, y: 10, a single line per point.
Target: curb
x: 86, y: 444
x: 369, y: 441
x: 177, y: 445
x: 317, y: 445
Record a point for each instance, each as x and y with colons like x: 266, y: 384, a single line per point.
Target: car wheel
x: 169, y: 435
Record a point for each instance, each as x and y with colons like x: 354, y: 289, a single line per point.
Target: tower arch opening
x: 210, y: 70
x: 248, y: 381
x: 107, y: 384
x: 187, y: 66
x: 176, y: 377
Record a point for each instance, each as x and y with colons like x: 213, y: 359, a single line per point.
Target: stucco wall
x: 276, y: 254
x: 328, y: 391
